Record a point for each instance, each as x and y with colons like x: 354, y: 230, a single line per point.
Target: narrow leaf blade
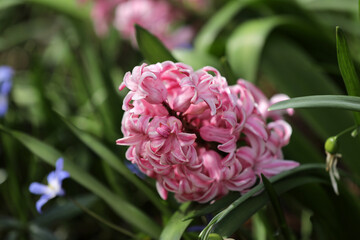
x: 245, y: 206
x: 151, y: 47
x: 320, y: 101
x: 210, y: 31
x: 108, y: 156
x: 123, y: 208
x: 176, y: 226
x: 347, y: 68
x: 274, y: 199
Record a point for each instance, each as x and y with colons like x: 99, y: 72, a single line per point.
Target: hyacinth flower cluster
x: 158, y: 16
x: 6, y: 74
x: 54, y: 186
x: 197, y: 136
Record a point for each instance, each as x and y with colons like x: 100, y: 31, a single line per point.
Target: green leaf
x: 63, y: 212
x: 35, y: 28
x: 108, y: 156
x: 102, y: 91
x: 151, y: 47
x: 330, y: 5
x: 176, y: 226
x: 227, y: 221
x: 69, y: 7
x: 196, y: 59
x: 9, y: 223
x: 215, y: 207
x: 274, y: 199
x: 9, y: 3
x: 212, y: 28
x: 320, y: 101
x: 347, y: 68
x: 124, y: 209
x: 246, y: 43
x: 37, y: 232
x: 227, y: 72
x: 296, y: 74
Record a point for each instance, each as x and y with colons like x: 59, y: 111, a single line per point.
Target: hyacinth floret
x: 54, y: 186
x: 197, y: 136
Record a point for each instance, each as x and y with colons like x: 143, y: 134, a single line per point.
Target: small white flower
x: 331, y: 162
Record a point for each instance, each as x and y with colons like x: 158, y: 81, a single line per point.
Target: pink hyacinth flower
x: 197, y: 136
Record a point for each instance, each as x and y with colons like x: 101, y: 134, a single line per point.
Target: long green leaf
x: 196, y: 59
x: 226, y: 225
x: 320, y: 101
x: 100, y: 92
x: 244, y: 207
x: 347, y: 68
x: 213, y: 27
x: 330, y: 5
x: 64, y: 212
x: 124, y: 209
x: 69, y: 7
x: 246, y: 43
x: 9, y: 3
x: 151, y: 47
x: 108, y: 156
x: 295, y: 73
x: 215, y: 207
x: 274, y: 199
x: 176, y: 226
x: 35, y: 28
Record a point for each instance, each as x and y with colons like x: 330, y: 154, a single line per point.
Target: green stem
x: 350, y: 129
x: 104, y: 221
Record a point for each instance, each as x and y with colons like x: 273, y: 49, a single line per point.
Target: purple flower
x: 135, y: 169
x: 53, y: 188
x: 6, y: 74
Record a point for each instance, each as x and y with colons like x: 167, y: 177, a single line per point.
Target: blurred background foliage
x: 65, y: 102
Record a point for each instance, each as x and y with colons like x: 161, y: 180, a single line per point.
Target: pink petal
x: 161, y: 190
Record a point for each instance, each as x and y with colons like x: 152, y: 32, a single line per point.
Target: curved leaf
x: 318, y: 101
x: 347, y: 68
x: 215, y: 207
x: 196, y: 59
x: 116, y: 164
x: 213, y: 27
x: 124, y: 209
x: 64, y: 212
x: 151, y: 47
x: 330, y: 5
x: 176, y: 226
x: 274, y: 199
x: 69, y: 7
x: 9, y: 3
x: 244, y: 207
x: 246, y: 44
x: 301, y: 76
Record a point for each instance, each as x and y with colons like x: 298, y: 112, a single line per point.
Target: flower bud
x: 331, y: 145
x: 215, y: 236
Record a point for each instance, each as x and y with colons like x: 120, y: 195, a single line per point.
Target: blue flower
x: 53, y: 188
x: 6, y: 74
x: 135, y: 169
